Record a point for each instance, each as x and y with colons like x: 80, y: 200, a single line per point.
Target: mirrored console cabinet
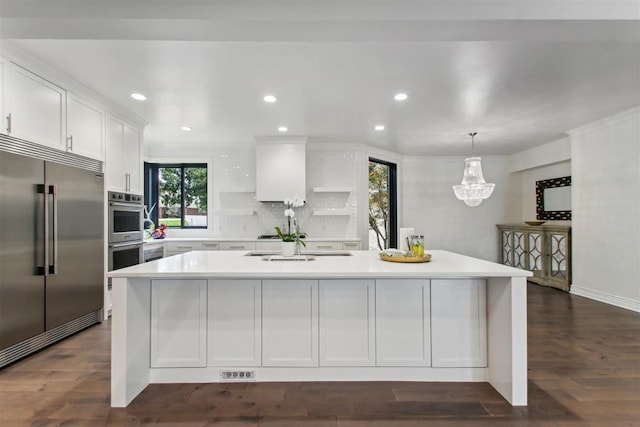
x: 544, y: 250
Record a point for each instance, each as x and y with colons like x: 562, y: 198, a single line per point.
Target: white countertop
x: 200, y: 264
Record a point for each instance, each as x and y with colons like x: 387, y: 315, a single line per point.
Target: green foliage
x: 379, y: 202
x: 195, y: 186
x: 170, y: 192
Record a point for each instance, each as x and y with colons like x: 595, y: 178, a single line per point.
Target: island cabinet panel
x: 458, y: 305
x: 290, y: 322
x: 347, y: 322
x: 234, y: 322
x: 403, y: 333
x: 178, y: 323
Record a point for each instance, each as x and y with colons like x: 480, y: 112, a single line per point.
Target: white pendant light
x: 473, y: 189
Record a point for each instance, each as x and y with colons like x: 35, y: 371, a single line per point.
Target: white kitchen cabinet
x: 323, y: 246
x: 210, y: 246
x: 347, y: 322
x: 124, y: 156
x: 178, y: 323
x: 234, y: 322
x: 403, y: 329
x: 3, y: 94
x: 351, y: 245
x: 467, y: 317
x: 237, y: 246
x: 180, y: 247
x: 290, y: 322
x: 85, y: 128
x: 35, y: 109
x: 280, y: 170
x: 269, y: 245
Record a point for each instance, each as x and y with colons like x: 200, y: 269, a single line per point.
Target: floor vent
x: 237, y: 375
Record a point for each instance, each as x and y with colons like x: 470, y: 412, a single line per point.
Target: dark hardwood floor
x: 584, y: 370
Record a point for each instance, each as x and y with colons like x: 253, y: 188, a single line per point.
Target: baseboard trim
x: 621, y: 302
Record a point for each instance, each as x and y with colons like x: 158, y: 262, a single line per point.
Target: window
x: 177, y: 193
x: 382, y: 205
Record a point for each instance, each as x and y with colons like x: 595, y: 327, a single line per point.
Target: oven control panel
x: 115, y: 196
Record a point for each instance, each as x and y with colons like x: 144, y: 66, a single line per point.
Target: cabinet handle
x: 70, y: 143
x: 127, y: 182
x: 184, y: 247
x: 236, y: 247
x: 9, y: 123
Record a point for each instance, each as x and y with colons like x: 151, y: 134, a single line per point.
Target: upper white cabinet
x: 85, y: 128
x: 124, y: 156
x: 280, y: 170
x: 35, y: 109
x: 3, y: 83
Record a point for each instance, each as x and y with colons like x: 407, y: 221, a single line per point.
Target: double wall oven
x: 125, y: 237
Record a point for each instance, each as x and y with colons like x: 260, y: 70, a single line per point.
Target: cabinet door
x: 535, y: 252
x: 290, y: 323
x: 519, y: 252
x: 210, y: 246
x: 506, y: 247
x: 234, y: 323
x: 38, y: 109
x: 323, y: 246
x: 558, y: 259
x: 132, y: 160
x: 347, y: 322
x: 115, y: 137
x: 178, y: 323
x: 403, y: 333
x: 237, y: 246
x: 351, y: 246
x: 85, y: 124
x: 181, y: 247
x: 458, y: 323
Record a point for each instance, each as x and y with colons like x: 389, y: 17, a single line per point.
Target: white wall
x: 606, y: 210
x: 430, y: 206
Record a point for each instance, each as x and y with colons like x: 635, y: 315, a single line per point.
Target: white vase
x: 288, y: 248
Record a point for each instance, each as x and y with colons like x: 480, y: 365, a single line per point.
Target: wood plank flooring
x: 584, y: 370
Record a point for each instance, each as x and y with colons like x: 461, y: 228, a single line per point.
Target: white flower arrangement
x: 291, y: 236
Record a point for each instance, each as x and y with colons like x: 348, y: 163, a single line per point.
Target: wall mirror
x: 553, y: 199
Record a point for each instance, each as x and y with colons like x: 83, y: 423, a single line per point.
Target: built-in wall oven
x: 125, y: 230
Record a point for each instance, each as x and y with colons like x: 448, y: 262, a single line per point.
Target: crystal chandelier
x: 473, y: 189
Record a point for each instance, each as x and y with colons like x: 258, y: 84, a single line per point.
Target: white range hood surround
x: 280, y: 168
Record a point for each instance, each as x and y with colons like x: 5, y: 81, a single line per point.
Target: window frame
x: 152, y: 191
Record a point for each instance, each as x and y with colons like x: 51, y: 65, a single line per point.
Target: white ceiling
x: 521, y: 73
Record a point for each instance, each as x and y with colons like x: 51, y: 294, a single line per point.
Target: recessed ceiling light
x: 185, y: 128
x: 138, y: 96
x: 270, y: 99
x: 379, y: 127
x: 400, y: 96
x: 282, y: 129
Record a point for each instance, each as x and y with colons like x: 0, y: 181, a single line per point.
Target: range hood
x: 280, y: 168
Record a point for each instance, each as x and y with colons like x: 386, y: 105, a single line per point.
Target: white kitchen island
x: 223, y: 316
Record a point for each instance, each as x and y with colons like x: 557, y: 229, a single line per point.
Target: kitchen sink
x: 313, y: 253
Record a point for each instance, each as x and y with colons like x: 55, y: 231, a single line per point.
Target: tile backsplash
x: 331, y: 203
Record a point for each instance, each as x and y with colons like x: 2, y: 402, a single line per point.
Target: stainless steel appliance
x: 51, y: 246
x: 126, y: 216
x: 153, y: 253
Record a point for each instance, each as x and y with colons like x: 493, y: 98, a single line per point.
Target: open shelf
x: 332, y: 212
x: 331, y: 189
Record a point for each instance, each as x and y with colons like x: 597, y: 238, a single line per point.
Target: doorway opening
x: 382, y: 204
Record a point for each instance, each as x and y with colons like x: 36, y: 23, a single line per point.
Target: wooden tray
x: 409, y: 259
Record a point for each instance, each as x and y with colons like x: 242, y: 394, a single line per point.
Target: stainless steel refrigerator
x: 51, y: 246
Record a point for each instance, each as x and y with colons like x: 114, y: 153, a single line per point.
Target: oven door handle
x: 125, y: 244
x: 127, y: 205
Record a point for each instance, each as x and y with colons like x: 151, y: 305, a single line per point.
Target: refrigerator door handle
x: 42, y: 226
x: 53, y: 268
